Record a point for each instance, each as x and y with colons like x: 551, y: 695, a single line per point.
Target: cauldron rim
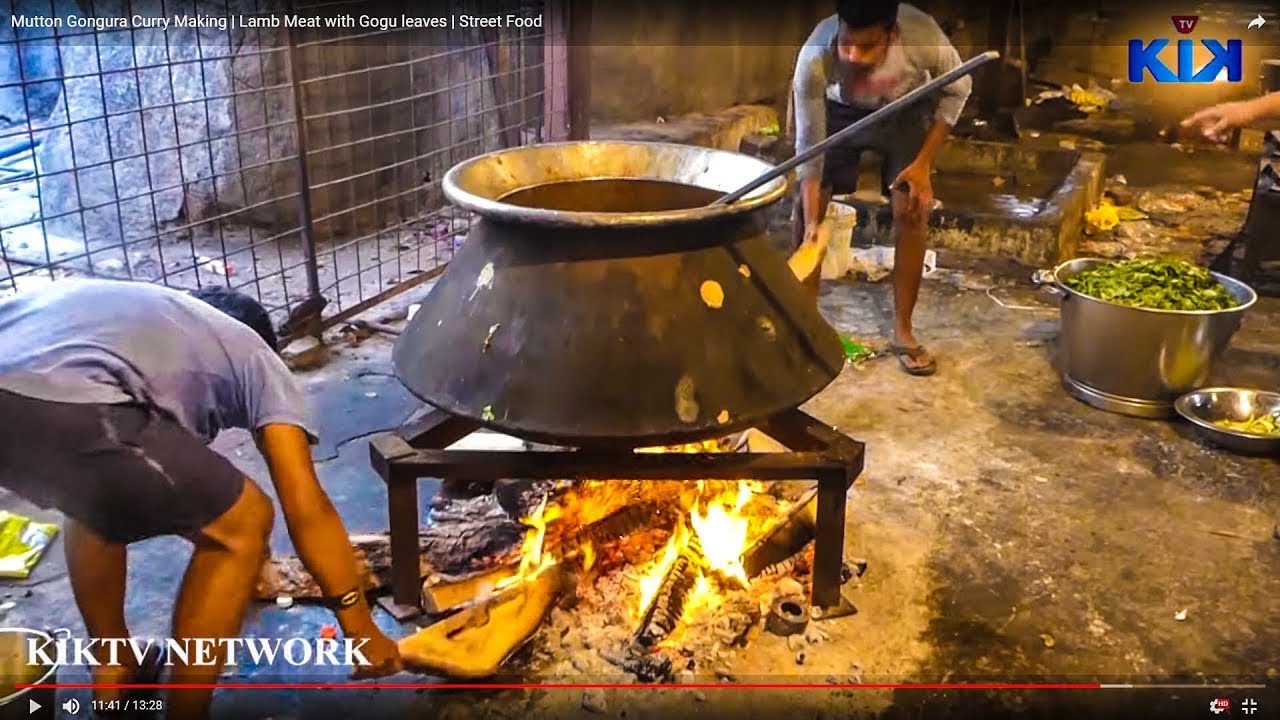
x: 478, y: 183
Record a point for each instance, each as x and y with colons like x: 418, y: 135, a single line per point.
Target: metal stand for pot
x: 416, y: 451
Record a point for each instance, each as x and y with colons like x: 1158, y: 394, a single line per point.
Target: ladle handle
x: 932, y: 86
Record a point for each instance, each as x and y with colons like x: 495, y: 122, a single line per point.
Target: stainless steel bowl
x: 1138, y: 361
x: 1203, y: 407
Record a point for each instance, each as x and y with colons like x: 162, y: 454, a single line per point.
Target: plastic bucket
x: 839, y: 258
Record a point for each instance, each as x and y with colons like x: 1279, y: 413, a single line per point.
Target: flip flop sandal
x: 147, y: 673
x: 914, y: 353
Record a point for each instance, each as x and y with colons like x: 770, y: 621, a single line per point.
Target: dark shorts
x: 124, y: 471
x: 896, y: 140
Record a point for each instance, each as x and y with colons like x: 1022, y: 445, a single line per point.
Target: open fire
x: 708, y: 528
x: 657, y: 561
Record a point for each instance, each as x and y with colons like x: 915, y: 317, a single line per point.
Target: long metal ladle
x: 928, y: 88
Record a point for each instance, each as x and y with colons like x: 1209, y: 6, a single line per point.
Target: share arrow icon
x: 1257, y: 22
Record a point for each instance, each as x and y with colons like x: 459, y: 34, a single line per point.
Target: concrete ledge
x: 1040, y: 240
x: 724, y: 130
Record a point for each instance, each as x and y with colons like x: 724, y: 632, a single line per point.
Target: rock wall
x: 165, y: 127
x: 199, y: 124
x: 30, y: 56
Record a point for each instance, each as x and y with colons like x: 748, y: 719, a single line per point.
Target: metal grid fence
x: 300, y: 165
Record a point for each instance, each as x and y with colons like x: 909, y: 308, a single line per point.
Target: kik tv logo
x: 1145, y: 58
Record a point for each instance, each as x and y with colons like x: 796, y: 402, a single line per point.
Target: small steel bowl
x: 1203, y: 407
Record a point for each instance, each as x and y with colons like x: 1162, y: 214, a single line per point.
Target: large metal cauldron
x: 598, y: 301
x: 1136, y: 361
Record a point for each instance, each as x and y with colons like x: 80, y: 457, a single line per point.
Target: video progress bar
x: 1181, y: 686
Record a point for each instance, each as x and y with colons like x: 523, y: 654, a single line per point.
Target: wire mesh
x: 283, y: 162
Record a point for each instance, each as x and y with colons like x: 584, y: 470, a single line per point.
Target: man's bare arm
x: 314, y: 525
x: 808, y: 87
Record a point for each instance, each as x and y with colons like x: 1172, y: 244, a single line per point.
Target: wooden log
x: 286, y: 575
x: 445, y: 593
x: 667, y: 608
x: 785, y: 538
x: 474, y: 643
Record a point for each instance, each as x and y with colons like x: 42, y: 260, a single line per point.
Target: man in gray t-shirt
x: 868, y: 53
x: 109, y: 394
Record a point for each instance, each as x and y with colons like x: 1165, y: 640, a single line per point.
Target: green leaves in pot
x: 1153, y: 283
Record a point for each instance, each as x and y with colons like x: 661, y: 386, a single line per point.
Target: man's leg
x: 898, y: 148
x: 145, y: 476
x: 216, y: 590
x: 97, y: 570
x: 910, y: 230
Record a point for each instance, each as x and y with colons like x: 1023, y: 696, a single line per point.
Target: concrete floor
x: 1011, y: 531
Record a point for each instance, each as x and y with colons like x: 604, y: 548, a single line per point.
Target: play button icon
x: 32, y: 707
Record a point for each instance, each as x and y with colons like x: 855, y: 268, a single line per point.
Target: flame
x: 651, y: 580
x: 722, y: 529
x: 533, y: 559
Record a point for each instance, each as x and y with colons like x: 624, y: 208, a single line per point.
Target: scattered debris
x: 816, y: 635
x: 486, y: 413
x: 305, y: 353
x: 800, y: 658
x: 1048, y: 640
x: 1093, y: 100
x: 700, y: 696
x: 284, y: 602
x: 413, y: 310
x: 1180, y: 615
x: 854, y: 351
x: 795, y: 643
x: 593, y: 701
x: 22, y: 544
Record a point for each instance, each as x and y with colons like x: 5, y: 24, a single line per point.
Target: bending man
x: 868, y: 53
x: 109, y: 394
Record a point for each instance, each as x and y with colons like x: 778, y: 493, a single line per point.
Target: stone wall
x: 151, y: 127
x: 30, y: 56
x: 152, y: 147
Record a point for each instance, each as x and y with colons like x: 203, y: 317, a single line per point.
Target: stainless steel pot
x: 1136, y: 361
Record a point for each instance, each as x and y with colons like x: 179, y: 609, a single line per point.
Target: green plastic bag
x: 22, y: 544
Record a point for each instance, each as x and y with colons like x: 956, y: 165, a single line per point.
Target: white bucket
x: 839, y: 258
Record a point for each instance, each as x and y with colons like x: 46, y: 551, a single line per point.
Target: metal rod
x: 305, y: 215
x: 928, y: 88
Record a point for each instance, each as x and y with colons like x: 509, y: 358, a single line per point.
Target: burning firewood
x: 785, y: 538
x: 617, y: 525
x: 667, y: 607
x: 475, y: 642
